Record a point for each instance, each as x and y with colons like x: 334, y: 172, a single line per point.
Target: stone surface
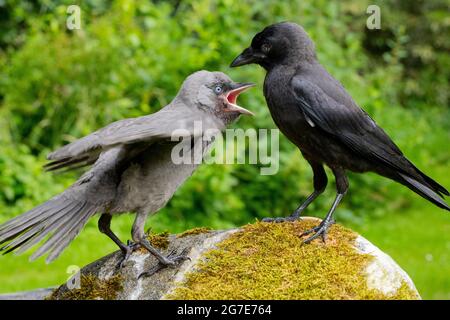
x: 156, y: 286
x: 382, y: 272
x: 39, y: 294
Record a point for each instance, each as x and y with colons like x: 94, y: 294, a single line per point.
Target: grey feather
x: 69, y: 236
x: 74, y: 214
x: 50, y: 208
x: 46, y: 229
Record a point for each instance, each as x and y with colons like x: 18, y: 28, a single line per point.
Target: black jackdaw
x: 318, y: 115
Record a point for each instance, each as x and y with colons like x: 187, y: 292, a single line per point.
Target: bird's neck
x: 282, y: 70
x: 296, y: 62
x: 267, y: 65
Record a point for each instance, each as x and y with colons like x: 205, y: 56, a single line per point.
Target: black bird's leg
x: 139, y: 237
x: 320, y: 183
x: 341, y: 187
x: 104, y: 225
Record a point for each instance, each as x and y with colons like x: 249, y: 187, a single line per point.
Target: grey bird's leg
x: 140, y: 238
x: 104, y: 225
x: 341, y: 187
x: 320, y: 183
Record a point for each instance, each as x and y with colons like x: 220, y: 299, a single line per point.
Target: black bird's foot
x: 293, y: 217
x: 320, y: 231
x: 127, y: 251
x: 171, y: 260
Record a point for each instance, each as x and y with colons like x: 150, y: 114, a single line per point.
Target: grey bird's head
x: 214, y: 93
x: 281, y: 43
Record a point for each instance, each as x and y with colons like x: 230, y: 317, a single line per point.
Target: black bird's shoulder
x: 349, y: 125
x: 328, y: 113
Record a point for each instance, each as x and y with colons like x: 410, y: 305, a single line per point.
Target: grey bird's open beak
x: 231, y: 98
x: 246, y: 57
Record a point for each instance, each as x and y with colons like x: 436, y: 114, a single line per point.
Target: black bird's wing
x: 351, y: 125
x: 147, y: 129
x: 354, y: 128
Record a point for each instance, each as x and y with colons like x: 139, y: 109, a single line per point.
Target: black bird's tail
x: 61, y: 217
x: 425, y: 187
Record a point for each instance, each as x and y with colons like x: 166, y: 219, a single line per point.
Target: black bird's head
x: 281, y: 43
x: 214, y: 93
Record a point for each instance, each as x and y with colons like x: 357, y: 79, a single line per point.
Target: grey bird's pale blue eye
x: 218, y: 89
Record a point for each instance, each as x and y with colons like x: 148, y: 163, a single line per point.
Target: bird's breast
x: 151, y: 179
x: 286, y: 113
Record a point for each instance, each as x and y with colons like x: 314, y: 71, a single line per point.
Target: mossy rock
x: 257, y: 261
x: 91, y: 288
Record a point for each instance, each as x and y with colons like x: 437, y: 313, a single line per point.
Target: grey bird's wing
x: 147, y: 129
x: 354, y: 128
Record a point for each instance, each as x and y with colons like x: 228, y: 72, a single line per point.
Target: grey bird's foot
x: 171, y: 260
x: 127, y: 251
x: 320, y: 231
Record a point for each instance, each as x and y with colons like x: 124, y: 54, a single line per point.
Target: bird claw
x: 171, y: 260
x: 130, y: 248
x: 320, y: 231
x: 133, y: 245
x: 125, y: 258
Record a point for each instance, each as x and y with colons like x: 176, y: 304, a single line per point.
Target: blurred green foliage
x: 130, y: 57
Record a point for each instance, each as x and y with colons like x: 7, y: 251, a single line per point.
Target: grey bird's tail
x: 61, y: 219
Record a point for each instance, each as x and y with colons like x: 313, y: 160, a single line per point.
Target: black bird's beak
x: 231, y: 98
x: 246, y: 57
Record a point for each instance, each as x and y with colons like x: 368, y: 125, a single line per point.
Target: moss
x: 243, y: 265
x: 160, y: 240
x: 404, y: 293
x: 91, y: 288
x: 194, y: 231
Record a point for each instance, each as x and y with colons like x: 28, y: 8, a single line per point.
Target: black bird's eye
x: 218, y: 89
x: 265, y: 48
